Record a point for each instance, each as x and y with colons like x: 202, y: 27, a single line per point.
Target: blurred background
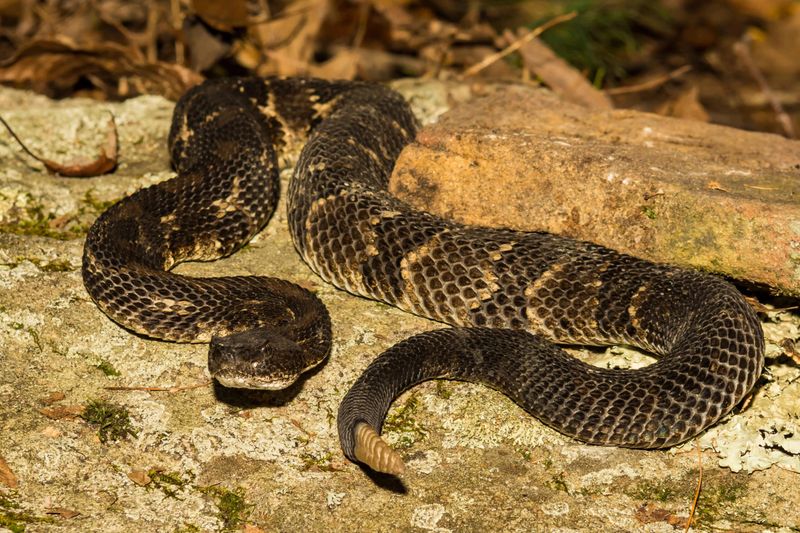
x: 732, y: 62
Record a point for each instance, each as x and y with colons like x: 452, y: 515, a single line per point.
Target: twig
x: 742, y: 50
x: 759, y: 188
x: 19, y: 141
x: 299, y: 426
x: 650, y: 84
x: 697, y: 490
x: 513, y: 47
x: 176, y: 21
x: 361, y: 30
x: 170, y: 390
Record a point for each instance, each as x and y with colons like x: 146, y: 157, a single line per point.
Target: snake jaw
x: 374, y: 452
x: 234, y: 380
x: 238, y: 381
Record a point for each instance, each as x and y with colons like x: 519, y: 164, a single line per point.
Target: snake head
x: 258, y: 358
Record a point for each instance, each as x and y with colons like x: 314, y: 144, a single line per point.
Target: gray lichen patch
x: 217, y: 460
x: 768, y: 433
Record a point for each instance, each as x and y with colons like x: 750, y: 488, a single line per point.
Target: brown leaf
x: 139, y: 477
x: 53, y: 397
x: 62, y: 512
x: 62, y: 411
x: 288, y: 41
x: 7, y: 477
x: 223, y: 16
x: 56, y: 66
x: 250, y: 528
x: 649, y: 513
x: 105, y: 162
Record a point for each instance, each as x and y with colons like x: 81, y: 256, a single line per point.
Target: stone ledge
x: 669, y: 190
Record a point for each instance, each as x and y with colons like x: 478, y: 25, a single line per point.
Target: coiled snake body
x: 224, y: 142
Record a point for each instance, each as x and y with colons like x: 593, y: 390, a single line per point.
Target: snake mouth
x: 233, y: 380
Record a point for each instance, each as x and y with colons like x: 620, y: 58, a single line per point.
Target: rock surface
x: 679, y: 191
x: 200, y: 458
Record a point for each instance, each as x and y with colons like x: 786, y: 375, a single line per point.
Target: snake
x: 510, y: 297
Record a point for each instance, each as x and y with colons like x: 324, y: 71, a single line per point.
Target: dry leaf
x: 62, y: 411
x: 223, y: 16
x: 289, y: 42
x: 250, y: 528
x: 139, y: 477
x: 7, y: 477
x: 53, y: 397
x: 56, y: 66
x: 105, y: 162
x: 649, y: 513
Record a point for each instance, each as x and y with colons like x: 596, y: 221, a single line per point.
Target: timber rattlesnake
x: 224, y: 143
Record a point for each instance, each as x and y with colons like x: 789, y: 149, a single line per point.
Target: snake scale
x: 509, y: 294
